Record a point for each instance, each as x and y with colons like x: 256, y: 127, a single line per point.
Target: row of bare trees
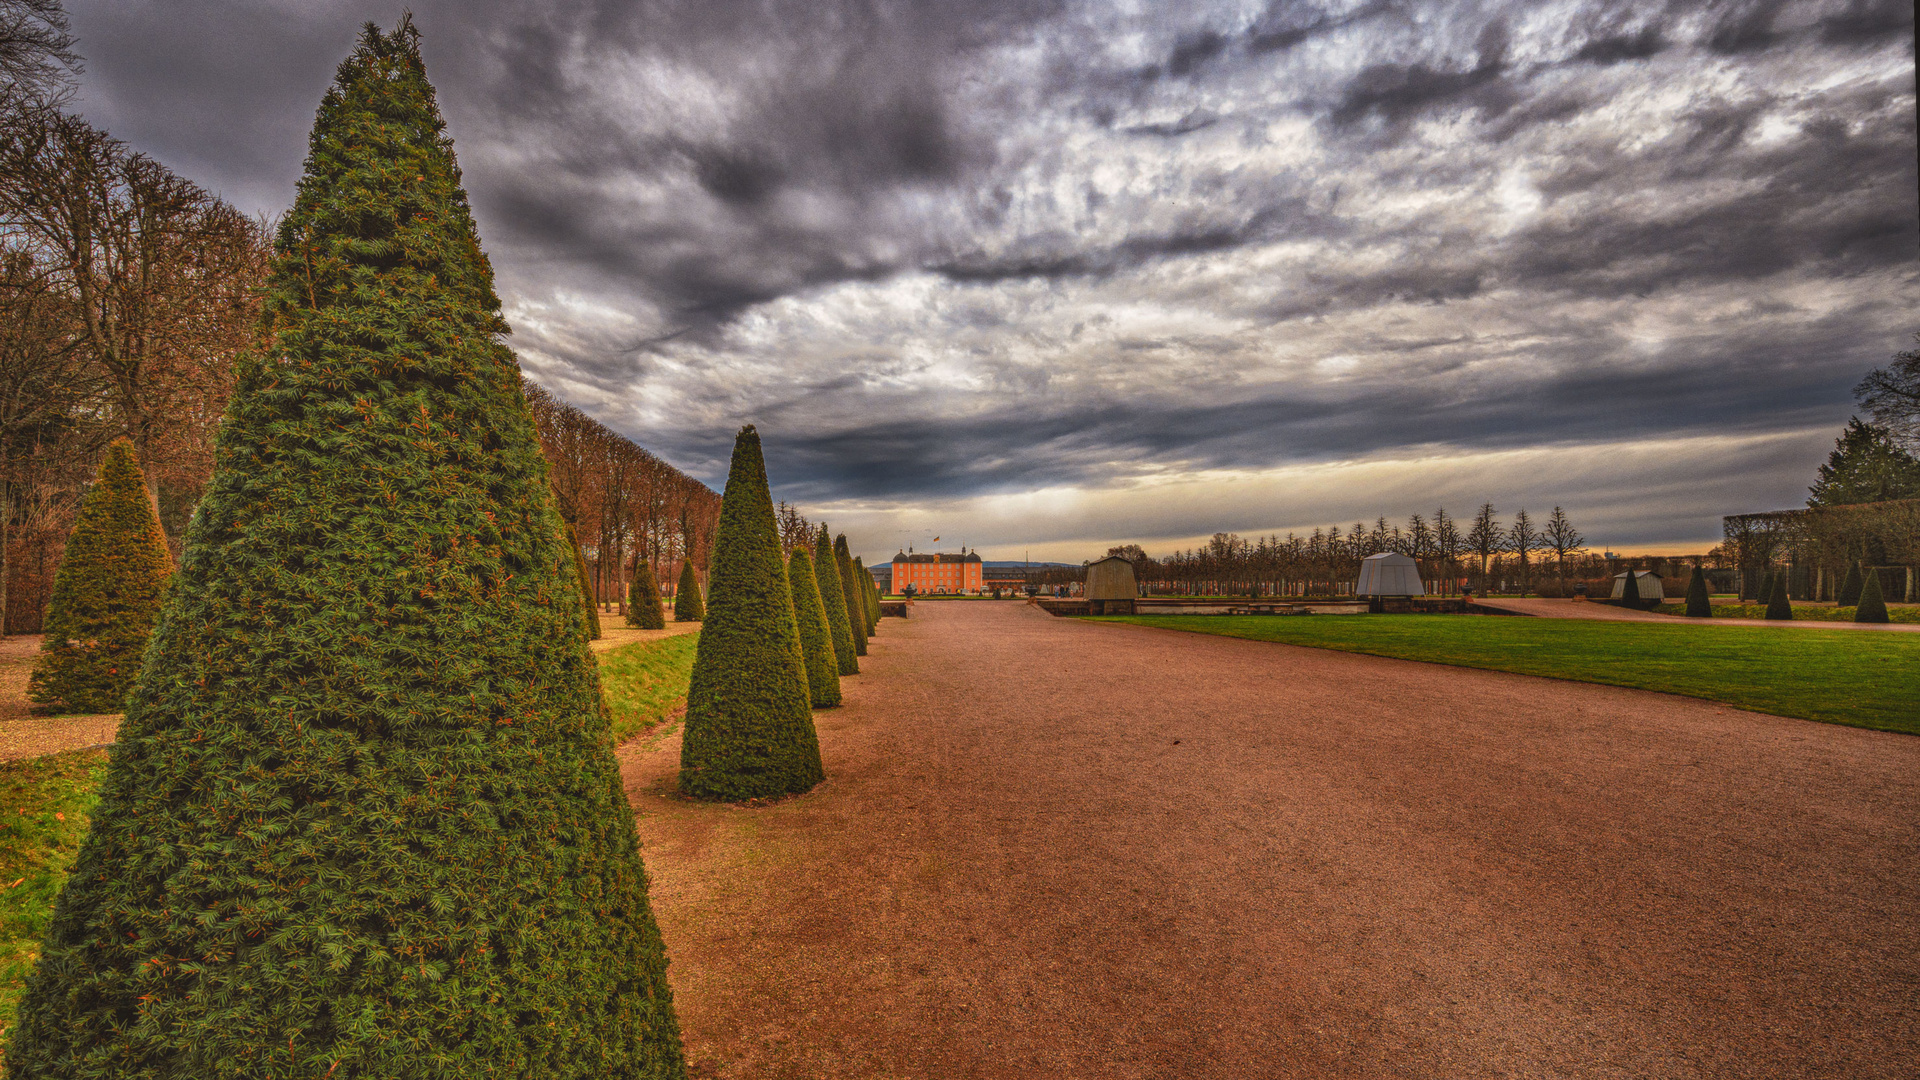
x: 126, y: 292
x: 1482, y: 551
x: 623, y: 502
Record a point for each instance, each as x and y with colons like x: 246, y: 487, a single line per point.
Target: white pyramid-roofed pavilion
x: 1389, y: 574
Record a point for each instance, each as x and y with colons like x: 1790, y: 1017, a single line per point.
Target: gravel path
x: 1568, y: 609
x: 1049, y: 848
x: 24, y: 735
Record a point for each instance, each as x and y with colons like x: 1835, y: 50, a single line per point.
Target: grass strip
x: 44, y: 803
x: 1906, y: 613
x: 646, y: 682
x: 1859, y: 679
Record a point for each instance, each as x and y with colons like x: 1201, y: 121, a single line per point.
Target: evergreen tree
x: 106, y: 594
x: 834, y: 595
x: 587, y: 599
x: 863, y: 583
x: 687, y: 605
x: 1765, y: 592
x: 1850, y: 588
x: 1866, y: 466
x: 1630, y: 590
x: 1873, y: 606
x: 749, y: 728
x: 856, y: 611
x: 1699, y: 601
x: 1778, y: 606
x: 364, y: 817
x: 644, y: 609
x: 816, y: 637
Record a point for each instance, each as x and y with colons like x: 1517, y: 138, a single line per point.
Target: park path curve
x: 1051, y: 848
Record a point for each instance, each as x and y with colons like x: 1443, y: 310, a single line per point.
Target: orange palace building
x: 938, y: 573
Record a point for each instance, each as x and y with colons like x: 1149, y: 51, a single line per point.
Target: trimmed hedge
x: 1699, y: 600
x: 863, y: 584
x: 856, y: 610
x: 587, y: 599
x: 1778, y: 606
x: 644, y: 608
x: 1873, y: 606
x: 687, y: 605
x: 106, y: 595
x: 833, y: 594
x: 364, y: 818
x: 1850, y: 587
x: 749, y: 729
x: 816, y: 637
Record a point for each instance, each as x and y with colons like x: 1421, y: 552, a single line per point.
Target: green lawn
x: 1862, y: 679
x: 44, y: 804
x: 646, y: 683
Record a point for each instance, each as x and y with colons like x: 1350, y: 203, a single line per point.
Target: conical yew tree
x: 1778, y: 606
x: 856, y: 611
x: 364, y: 818
x: 644, y: 609
x: 1765, y: 594
x: 1630, y: 590
x: 816, y: 637
x: 863, y: 584
x: 1873, y: 604
x: 834, y: 595
x: 687, y: 606
x: 106, y: 594
x: 588, y: 602
x: 1699, y: 601
x: 1850, y: 587
x: 749, y: 729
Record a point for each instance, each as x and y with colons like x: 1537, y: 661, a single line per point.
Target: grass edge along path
x: 646, y: 682
x: 1832, y: 676
x: 44, y: 803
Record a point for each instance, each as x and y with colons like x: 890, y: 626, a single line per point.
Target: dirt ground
x: 1049, y: 848
x: 24, y: 735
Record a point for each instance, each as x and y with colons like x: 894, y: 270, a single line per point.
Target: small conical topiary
x: 816, y: 637
x: 834, y: 595
x: 749, y: 727
x: 587, y: 599
x: 856, y: 611
x: 862, y: 582
x: 1850, y: 588
x: 644, y: 611
x: 1873, y: 605
x: 1699, y: 601
x: 1630, y: 590
x: 363, y: 818
x: 106, y: 595
x: 1778, y: 606
x: 687, y: 605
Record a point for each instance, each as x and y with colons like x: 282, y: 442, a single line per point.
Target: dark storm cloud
x: 946, y: 248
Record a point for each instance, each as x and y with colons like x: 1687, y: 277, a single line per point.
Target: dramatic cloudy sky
x: 1051, y: 274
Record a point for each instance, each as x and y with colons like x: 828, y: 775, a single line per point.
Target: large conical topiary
x: 834, y: 595
x: 1766, y: 587
x: 687, y: 605
x: 1778, y: 606
x: 106, y: 594
x: 816, y: 637
x: 1850, y: 588
x: 644, y: 610
x: 364, y: 819
x: 856, y: 611
x: 1873, y: 605
x: 749, y: 727
x: 588, y: 601
x: 1699, y: 601
x: 1630, y: 590
x: 863, y: 584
